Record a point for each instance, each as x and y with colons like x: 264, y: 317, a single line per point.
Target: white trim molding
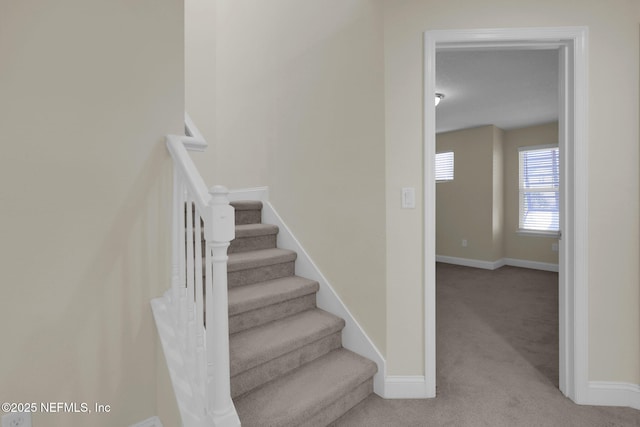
x: 467, y: 262
x: 256, y: 193
x: 571, y: 43
x: 193, y: 141
x: 406, y: 387
x: 493, y: 265
x: 613, y: 394
x: 534, y: 265
x: 354, y: 337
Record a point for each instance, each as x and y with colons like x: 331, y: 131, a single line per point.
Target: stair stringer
x: 354, y: 338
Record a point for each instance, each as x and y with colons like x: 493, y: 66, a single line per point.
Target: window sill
x: 538, y: 233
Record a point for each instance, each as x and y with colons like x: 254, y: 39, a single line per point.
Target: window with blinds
x: 444, y: 166
x: 539, y: 189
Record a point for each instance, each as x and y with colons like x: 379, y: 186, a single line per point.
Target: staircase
x: 288, y: 367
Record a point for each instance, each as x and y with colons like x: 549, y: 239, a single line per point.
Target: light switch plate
x: 408, y: 198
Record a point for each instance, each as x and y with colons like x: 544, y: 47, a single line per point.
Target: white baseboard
x: 256, y: 193
x: 354, y: 337
x: 149, y: 422
x: 535, y: 265
x: 406, y: 387
x: 492, y: 265
x: 467, y: 262
x: 603, y: 393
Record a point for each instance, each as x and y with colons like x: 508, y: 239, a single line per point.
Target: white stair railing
x: 192, y: 317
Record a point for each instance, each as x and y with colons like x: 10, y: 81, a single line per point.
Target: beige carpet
x: 288, y: 367
x: 497, y: 356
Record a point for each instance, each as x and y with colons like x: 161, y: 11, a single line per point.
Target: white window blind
x: 444, y: 166
x: 539, y: 188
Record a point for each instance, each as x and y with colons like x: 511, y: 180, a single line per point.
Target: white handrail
x: 191, y: 130
x: 203, y: 225
x: 185, y: 168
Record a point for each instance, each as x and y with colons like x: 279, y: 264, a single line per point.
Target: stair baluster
x: 219, y: 231
x: 201, y: 361
x: 195, y: 340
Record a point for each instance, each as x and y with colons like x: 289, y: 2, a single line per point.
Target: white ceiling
x: 505, y: 88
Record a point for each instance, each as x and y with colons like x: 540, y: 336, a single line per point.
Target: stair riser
x: 261, y: 374
x: 331, y: 413
x: 260, y: 316
x: 248, y: 217
x: 286, y: 371
x: 252, y: 243
x: 245, y: 244
x: 260, y: 274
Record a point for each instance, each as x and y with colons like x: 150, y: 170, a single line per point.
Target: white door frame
x: 573, y: 136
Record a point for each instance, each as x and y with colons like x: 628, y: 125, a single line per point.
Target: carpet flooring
x: 288, y: 367
x: 497, y: 359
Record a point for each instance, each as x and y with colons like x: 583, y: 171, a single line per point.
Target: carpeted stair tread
x: 254, y: 230
x: 258, y: 345
x: 258, y: 295
x: 247, y: 212
x: 303, y: 393
x: 247, y: 205
x: 253, y: 259
x: 254, y: 236
x: 287, y: 364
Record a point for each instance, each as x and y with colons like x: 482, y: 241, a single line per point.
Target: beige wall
x: 467, y: 207
x: 481, y: 205
x: 89, y: 89
x: 497, y: 220
x: 614, y: 292
x: 519, y: 246
x: 303, y: 115
x: 300, y: 108
x: 200, y: 26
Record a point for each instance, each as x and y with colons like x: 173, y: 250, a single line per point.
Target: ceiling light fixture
x: 439, y: 97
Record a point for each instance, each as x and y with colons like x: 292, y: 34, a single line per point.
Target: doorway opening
x: 572, y: 133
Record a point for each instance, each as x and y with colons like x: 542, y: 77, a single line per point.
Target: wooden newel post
x: 219, y: 231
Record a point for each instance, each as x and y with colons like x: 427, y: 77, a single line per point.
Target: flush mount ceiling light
x: 439, y: 97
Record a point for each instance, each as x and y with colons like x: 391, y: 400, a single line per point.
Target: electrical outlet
x: 464, y: 243
x: 554, y: 247
x: 16, y: 419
